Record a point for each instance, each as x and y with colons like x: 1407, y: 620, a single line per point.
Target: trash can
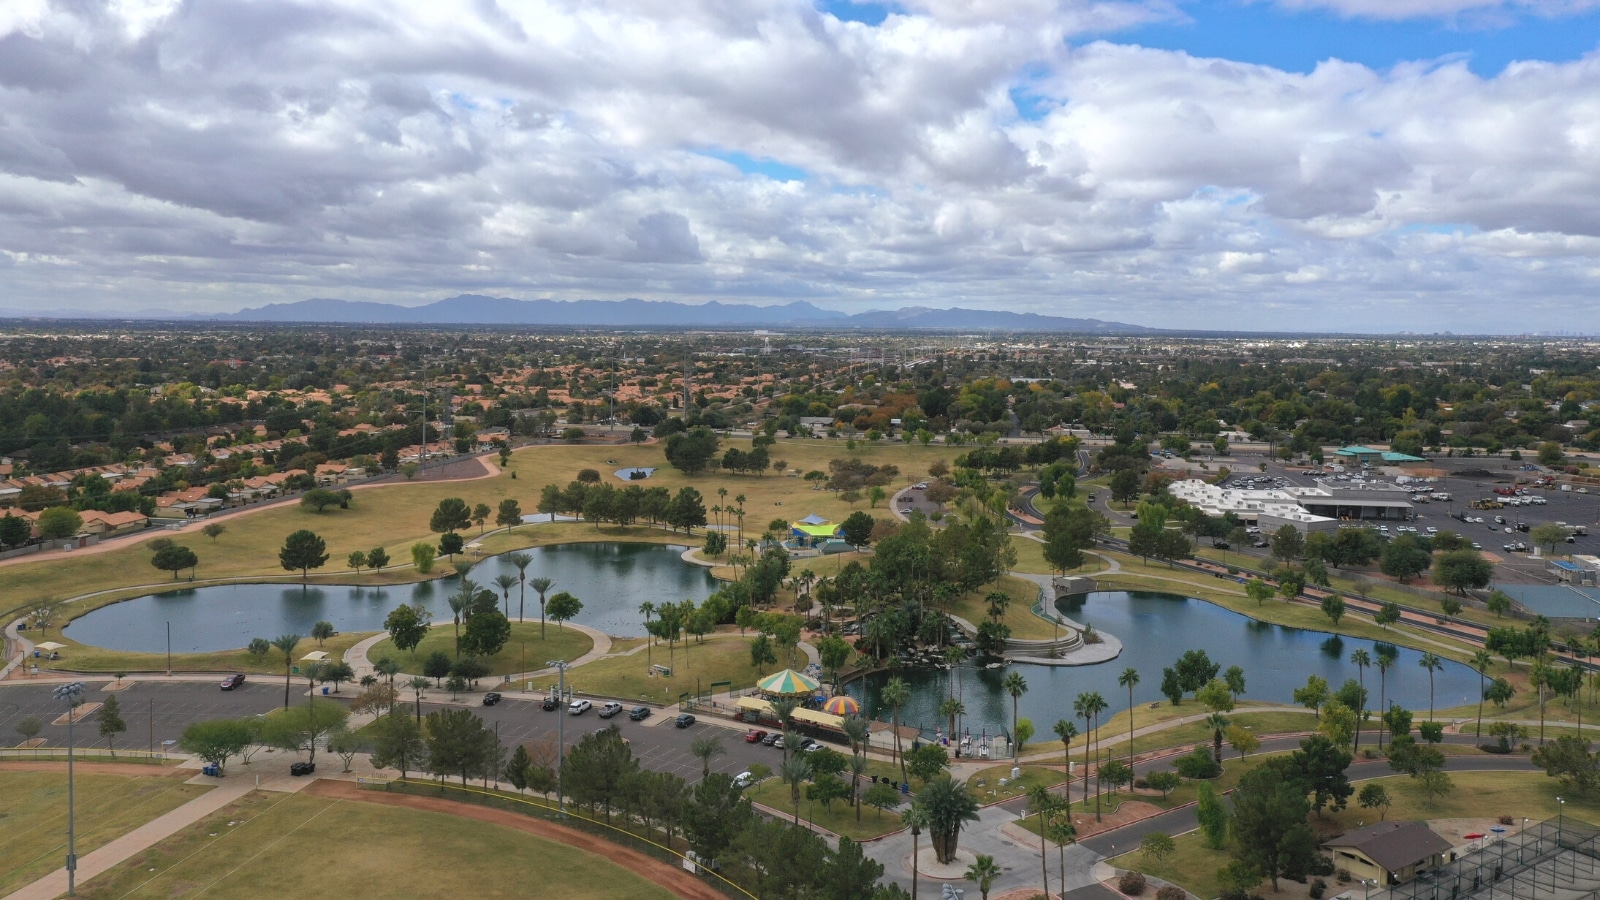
x: 324, y: 690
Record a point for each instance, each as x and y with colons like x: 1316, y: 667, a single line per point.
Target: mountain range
x: 474, y: 309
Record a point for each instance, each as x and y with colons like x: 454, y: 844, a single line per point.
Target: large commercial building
x: 1308, y: 509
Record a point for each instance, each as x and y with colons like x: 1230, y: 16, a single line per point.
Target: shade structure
x: 787, y: 683
x: 315, y: 656
x: 842, y: 706
x: 51, y: 645
x: 813, y: 519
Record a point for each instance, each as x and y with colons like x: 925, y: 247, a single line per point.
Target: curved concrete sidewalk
x: 356, y: 656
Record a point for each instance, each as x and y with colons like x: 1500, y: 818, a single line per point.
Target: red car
x: 754, y: 736
x: 232, y: 681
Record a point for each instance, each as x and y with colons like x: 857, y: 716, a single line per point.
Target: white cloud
x: 227, y: 154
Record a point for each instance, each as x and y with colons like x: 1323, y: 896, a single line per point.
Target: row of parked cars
x: 608, y: 709
x: 775, y: 739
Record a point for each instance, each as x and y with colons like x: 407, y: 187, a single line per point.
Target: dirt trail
x: 670, y: 877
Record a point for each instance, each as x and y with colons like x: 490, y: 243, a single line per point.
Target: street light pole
x: 561, y: 731
x: 70, y: 693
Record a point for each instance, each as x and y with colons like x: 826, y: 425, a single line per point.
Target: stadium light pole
x: 70, y: 693
x: 560, y: 665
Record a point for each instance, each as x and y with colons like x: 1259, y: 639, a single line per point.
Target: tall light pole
x: 560, y: 666
x: 70, y: 693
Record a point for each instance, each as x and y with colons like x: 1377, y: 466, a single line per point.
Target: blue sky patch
x: 848, y: 11
x: 751, y: 165
x: 1296, y: 40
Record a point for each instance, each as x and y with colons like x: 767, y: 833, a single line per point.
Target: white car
x: 579, y: 707
x: 743, y: 780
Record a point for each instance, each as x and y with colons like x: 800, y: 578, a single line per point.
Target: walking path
x: 356, y: 656
x: 156, y: 830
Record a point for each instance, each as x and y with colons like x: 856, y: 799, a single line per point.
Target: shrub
x: 1197, y: 765
x: 1343, y: 875
x: 1507, y: 820
x: 1171, y: 892
x: 1320, y: 865
x: 1131, y: 883
x: 1318, y: 888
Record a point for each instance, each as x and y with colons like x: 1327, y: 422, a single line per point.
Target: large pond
x: 611, y: 579
x: 1155, y: 629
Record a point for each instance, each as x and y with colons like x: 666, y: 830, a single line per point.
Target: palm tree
x: 1083, y: 706
x: 1387, y: 655
x: 1128, y: 679
x: 1218, y: 723
x: 541, y: 584
x: 953, y: 657
x: 1360, y: 659
x: 984, y: 871
x: 521, y: 561
x: 1043, y: 804
x: 794, y: 771
x: 459, y: 602
x: 783, y: 708
x: 1480, y: 661
x: 1066, y: 731
x: 504, y: 583
x: 705, y: 749
x: 418, y: 684
x: 1432, y: 664
x: 647, y: 609
x: 897, y: 693
x: 948, y: 805
x: 916, y: 819
x: 1015, y: 685
x: 285, y: 644
x: 858, y: 768
x: 950, y: 709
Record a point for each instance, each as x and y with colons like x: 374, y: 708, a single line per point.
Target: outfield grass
x: 525, y: 648
x: 725, y: 657
x: 33, y: 827
x: 288, y: 845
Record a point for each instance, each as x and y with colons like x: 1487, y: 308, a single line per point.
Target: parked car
x: 233, y: 681
x: 579, y: 707
x: 611, y: 708
x: 550, y: 703
x: 491, y: 698
x: 743, y: 780
x: 754, y: 736
x: 779, y: 742
x: 639, y: 713
x: 684, y: 720
x: 772, y: 739
x: 302, y: 768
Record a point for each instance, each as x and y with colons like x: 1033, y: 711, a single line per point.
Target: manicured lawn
x: 840, y: 816
x: 1485, y: 795
x: 1019, y: 615
x: 83, y: 658
x: 34, y: 824
x: 986, y: 785
x: 722, y: 658
x: 1114, y: 732
x: 525, y: 647
x: 301, y: 846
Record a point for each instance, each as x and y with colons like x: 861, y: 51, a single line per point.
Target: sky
x: 1319, y: 165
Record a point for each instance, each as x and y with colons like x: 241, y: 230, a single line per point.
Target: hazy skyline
x: 1349, y: 165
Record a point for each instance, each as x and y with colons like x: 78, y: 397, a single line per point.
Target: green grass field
x: 1484, y: 795
x: 33, y: 825
x: 722, y: 658
x: 839, y: 817
x: 286, y: 845
x: 525, y: 647
x: 83, y: 658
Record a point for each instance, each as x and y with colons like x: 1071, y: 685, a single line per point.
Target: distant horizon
x: 840, y: 323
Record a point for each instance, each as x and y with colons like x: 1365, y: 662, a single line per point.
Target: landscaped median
x: 84, y: 658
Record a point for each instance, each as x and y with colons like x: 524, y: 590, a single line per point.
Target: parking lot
x: 158, y: 711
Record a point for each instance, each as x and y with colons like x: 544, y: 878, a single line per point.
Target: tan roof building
x: 1389, y: 852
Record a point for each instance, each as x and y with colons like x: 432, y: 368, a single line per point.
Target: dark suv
x: 550, y: 704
